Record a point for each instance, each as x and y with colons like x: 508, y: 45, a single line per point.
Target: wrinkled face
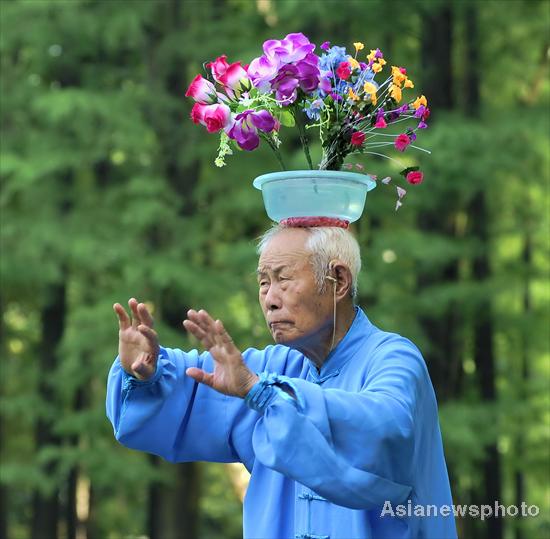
x: 294, y: 309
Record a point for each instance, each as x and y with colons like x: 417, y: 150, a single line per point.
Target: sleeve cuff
x: 268, y: 388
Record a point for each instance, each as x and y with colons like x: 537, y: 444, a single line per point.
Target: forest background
x: 109, y: 191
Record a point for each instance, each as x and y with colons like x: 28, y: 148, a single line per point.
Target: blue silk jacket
x: 358, y: 439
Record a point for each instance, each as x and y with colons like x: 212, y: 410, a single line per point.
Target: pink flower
x: 344, y: 70
x: 202, y: 90
x: 213, y: 117
x: 401, y: 142
x: 380, y: 123
x: 357, y: 138
x: 197, y: 113
x: 414, y: 177
x: 218, y: 67
x: 234, y: 79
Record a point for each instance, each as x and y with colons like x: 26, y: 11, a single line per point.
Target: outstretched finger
x: 145, y: 315
x: 200, y: 376
x: 123, y: 318
x: 149, y: 333
x: 223, y: 338
x: 132, y: 303
x: 199, y: 334
x: 206, y: 321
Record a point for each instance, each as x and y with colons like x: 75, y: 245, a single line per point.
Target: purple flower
x: 246, y: 126
x: 262, y: 70
x: 293, y: 48
x: 286, y: 65
x: 308, y: 73
x: 326, y: 45
x: 363, y: 66
x: 303, y: 74
x: 286, y: 84
x: 420, y: 111
x: 422, y: 125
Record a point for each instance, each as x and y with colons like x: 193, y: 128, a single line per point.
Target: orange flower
x: 420, y: 101
x: 398, y: 77
x: 395, y: 92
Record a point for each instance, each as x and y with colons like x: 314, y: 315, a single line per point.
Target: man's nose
x: 272, y: 299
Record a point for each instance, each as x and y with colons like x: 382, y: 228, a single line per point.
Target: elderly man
x: 337, y: 422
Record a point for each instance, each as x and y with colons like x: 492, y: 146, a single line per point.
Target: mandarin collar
x: 359, y: 330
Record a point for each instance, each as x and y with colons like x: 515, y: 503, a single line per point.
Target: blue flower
x: 333, y: 57
x: 313, y: 108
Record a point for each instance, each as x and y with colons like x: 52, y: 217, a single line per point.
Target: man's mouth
x: 278, y: 324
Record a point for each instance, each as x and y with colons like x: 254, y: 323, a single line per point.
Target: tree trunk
x: 173, y: 510
x: 484, y: 355
x: 75, y: 528
x: 46, y: 501
x: 443, y: 332
x: 519, y: 477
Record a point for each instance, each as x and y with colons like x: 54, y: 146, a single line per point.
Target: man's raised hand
x: 138, y: 346
x: 231, y: 376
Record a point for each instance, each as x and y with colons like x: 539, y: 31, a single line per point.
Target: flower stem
x: 303, y: 137
x: 276, y: 151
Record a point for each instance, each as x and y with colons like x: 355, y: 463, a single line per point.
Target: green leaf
x: 286, y: 118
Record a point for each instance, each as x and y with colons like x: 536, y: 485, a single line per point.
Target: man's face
x: 294, y: 309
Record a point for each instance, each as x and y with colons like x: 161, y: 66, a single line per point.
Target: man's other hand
x: 231, y: 376
x: 138, y: 346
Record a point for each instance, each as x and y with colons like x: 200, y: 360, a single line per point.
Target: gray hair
x: 325, y: 243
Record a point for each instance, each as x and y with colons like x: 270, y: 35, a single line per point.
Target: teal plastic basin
x: 314, y: 193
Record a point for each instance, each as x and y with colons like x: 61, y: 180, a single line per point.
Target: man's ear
x: 343, y: 280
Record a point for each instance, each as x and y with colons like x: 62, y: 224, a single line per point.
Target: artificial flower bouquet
x: 335, y: 94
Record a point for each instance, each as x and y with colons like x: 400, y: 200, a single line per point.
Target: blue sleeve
x: 354, y: 448
x: 171, y: 415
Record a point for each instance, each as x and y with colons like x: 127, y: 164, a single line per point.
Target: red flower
x: 357, y: 138
x: 344, y: 70
x: 415, y: 176
x: 402, y: 141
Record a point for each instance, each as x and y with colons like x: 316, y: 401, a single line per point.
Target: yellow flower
x: 395, y: 92
x: 398, y: 77
x: 409, y: 83
x: 371, y: 55
x: 420, y: 101
x: 359, y: 46
x: 381, y: 61
x: 352, y: 95
x: 376, y: 67
x: 369, y: 88
x: 373, y: 99
x: 353, y: 63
